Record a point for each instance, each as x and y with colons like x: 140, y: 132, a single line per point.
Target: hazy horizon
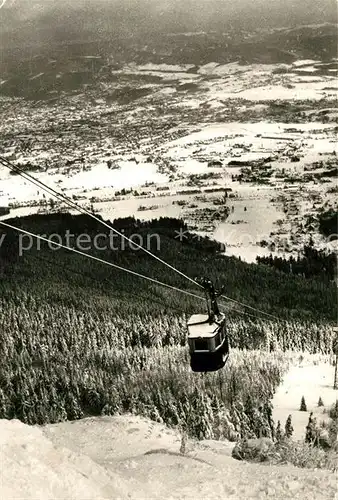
x: 24, y: 21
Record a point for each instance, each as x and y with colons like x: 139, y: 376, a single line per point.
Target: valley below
x: 221, y: 137
x: 244, y: 152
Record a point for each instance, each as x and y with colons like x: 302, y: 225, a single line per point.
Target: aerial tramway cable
x: 137, y: 295
x: 100, y: 281
x: 157, y: 282
x: 251, y: 307
x: 83, y: 210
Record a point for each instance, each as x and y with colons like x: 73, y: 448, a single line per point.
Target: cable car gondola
x: 207, y: 336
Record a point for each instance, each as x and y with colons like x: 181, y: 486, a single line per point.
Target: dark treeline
x: 312, y: 264
x: 257, y: 285
x: 79, y: 338
x: 328, y: 223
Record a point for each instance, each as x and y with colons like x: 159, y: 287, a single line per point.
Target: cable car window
x: 218, y: 339
x: 201, y: 345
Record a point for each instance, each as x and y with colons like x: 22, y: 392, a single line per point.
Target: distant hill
x: 46, y: 44
x: 48, y: 22
x: 42, y: 55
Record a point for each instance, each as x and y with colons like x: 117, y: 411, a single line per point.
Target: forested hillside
x: 81, y: 338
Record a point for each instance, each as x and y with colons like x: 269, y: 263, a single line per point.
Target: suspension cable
x: 105, y: 280
x: 20, y: 230
x: 83, y: 210
x: 102, y: 261
x: 86, y: 275
x: 252, y: 308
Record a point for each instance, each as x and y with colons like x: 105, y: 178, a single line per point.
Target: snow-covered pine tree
x: 311, y: 430
x: 303, y: 406
x: 288, y: 427
x: 279, y: 433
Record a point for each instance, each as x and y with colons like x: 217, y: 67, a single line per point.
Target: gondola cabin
x: 208, y: 342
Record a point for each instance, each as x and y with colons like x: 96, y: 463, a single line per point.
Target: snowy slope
x: 312, y: 382
x: 130, y: 457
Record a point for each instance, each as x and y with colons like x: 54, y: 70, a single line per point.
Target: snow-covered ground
x: 189, y: 147
x: 128, y: 457
x: 129, y: 175
x: 311, y: 378
x: 262, y: 82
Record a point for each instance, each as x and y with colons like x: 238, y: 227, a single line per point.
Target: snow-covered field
x: 256, y: 82
x: 311, y: 378
x: 129, y: 175
x: 196, y: 145
x: 126, y: 456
